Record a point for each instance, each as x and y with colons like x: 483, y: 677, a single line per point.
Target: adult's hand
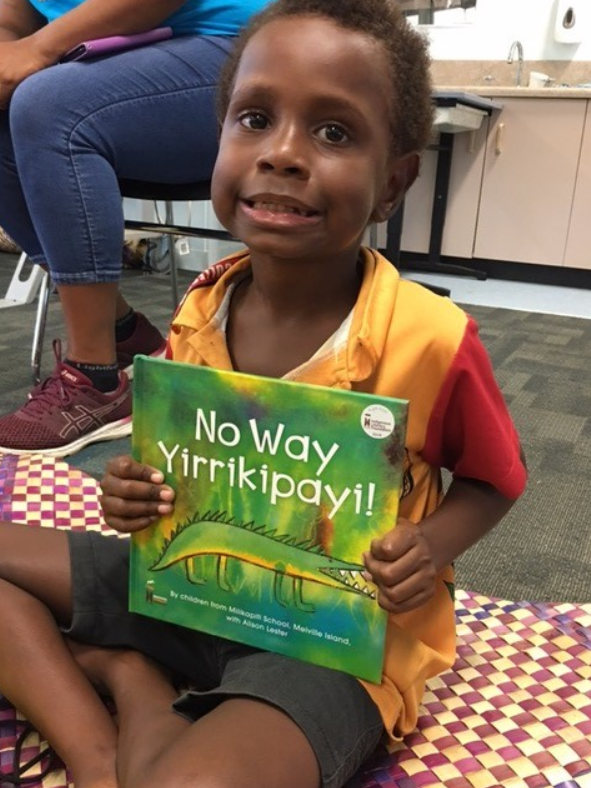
x: 18, y: 60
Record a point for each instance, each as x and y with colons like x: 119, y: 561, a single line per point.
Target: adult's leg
x: 148, y: 115
x: 38, y: 673
x: 14, y: 212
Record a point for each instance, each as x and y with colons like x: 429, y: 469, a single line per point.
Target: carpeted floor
x: 542, y: 550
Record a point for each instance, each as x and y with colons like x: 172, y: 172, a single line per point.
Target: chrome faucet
x: 516, y: 46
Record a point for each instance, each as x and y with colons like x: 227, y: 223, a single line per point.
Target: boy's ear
x: 403, y: 172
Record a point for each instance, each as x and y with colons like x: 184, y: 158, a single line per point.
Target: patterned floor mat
x: 515, y: 710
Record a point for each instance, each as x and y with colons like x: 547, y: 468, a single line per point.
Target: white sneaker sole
x: 112, y: 431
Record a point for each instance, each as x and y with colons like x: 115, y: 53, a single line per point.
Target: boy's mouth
x: 280, y: 208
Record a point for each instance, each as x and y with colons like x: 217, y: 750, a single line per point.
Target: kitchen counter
x: 512, y: 91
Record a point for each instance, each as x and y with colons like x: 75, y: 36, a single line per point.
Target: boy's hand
x: 401, y: 565
x: 134, y: 495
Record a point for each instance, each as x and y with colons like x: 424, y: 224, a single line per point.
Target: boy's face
x: 305, y: 156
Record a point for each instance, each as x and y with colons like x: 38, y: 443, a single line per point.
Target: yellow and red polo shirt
x: 403, y: 341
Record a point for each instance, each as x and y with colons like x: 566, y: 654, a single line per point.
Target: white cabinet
x: 578, y: 246
x: 528, y: 185
x: 462, y: 205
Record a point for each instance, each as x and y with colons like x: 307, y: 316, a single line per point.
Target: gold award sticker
x: 377, y: 421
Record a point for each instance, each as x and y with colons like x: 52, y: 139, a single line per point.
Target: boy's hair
x: 410, y: 107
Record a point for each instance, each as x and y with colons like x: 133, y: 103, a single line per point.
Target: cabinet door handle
x: 499, y: 139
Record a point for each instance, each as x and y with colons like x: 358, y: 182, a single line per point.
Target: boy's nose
x: 285, y: 152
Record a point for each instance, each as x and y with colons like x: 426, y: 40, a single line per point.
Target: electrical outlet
x: 182, y: 246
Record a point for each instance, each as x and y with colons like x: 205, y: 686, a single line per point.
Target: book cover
x: 280, y: 488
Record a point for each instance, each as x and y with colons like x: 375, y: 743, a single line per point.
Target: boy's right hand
x: 134, y: 495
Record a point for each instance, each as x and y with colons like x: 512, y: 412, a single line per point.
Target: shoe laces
x: 52, y: 392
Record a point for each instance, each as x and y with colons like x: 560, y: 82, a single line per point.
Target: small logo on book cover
x: 377, y: 421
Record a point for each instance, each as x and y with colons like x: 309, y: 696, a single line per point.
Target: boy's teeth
x: 278, y: 208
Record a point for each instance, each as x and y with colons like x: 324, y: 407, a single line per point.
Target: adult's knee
x: 39, y: 110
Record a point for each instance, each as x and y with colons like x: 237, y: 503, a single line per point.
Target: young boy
x: 324, y: 107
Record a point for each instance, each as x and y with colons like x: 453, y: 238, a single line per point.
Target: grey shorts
x: 341, y: 722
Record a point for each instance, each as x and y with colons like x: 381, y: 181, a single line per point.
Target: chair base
x: 23, y: 289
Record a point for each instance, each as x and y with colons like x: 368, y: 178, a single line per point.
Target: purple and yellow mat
x: 514, y: 711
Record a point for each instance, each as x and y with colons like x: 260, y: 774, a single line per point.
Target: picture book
x: 280, y: 488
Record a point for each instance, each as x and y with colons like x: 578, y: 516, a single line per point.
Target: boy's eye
x: 333, y: 133
x: 253, y: 120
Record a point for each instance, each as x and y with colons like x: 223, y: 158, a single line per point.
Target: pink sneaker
x: 146, y: 339
x: 65, y: 413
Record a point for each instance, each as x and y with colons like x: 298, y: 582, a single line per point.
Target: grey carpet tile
x: 569, y: 469
x: 541, y: 551
x: 568, y: 397
x: 548, y: 425
x: 512, y: 383
x: 583, y: 446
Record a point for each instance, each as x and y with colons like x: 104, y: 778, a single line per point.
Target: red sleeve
x: 470, y: 431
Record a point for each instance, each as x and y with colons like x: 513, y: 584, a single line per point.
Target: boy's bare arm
x: 405, y: 562
x: 470, y: 509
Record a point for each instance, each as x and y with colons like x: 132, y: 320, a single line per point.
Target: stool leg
x: 39, y: 330
x: 169, y: 220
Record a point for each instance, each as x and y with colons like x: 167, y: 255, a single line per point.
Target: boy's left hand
x: 401, y: 566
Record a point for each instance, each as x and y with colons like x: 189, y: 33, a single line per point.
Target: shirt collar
x: 353, y: 362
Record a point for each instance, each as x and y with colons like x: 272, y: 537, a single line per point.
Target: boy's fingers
x: 125, y: 467
x: 392, y: 572
x: 132, y: 490
x: 126, y: 526
x: 396, y: 542
x: 113, y: 505
x: 402, y: 600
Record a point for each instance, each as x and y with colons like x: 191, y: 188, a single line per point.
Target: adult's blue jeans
x: 73, y: 129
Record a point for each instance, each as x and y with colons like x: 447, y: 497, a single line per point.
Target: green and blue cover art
x: 280, y: 488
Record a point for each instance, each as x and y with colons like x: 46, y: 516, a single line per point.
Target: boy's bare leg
x: 37, y: 671
x: 241, y: 743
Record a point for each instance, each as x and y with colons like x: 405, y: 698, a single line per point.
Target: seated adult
x: 68, y: 131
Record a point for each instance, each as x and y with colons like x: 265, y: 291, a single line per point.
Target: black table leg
x: 433, y: 263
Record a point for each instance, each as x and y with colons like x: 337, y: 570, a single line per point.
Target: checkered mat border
x: 45, y: 491
x: 515, y: 710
